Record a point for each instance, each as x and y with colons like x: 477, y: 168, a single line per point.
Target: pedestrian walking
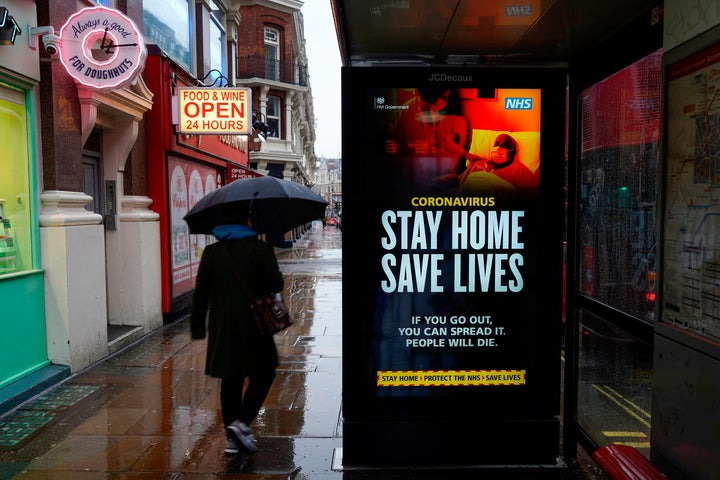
x: 236, y: 268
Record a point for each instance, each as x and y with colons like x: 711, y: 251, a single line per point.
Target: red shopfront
x: 181, y: 170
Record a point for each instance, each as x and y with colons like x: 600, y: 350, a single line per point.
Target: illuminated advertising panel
x: 450, y: 179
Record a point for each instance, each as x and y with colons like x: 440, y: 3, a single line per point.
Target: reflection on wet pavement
x: 150, y: 412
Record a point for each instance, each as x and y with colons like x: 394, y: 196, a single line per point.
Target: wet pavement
x: 149, y: 412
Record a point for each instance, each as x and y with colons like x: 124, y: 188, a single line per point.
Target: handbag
x: 270, y: 313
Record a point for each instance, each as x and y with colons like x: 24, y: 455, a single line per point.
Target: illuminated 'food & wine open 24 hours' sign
x: 214, y: 110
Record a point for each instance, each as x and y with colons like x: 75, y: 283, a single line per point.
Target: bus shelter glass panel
x: 614, y: 384
x: 618, y: 188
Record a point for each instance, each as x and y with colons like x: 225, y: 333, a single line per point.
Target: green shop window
x: 15, y: 226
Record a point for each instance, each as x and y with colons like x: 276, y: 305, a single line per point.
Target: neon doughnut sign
x: 102, y: 48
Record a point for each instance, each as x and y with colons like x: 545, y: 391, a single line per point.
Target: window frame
x: 274, y: 119
x: 217, y: 24
x: 271, y: 42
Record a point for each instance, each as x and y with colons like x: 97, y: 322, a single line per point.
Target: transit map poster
x: 690, y: 287
x: 452, y: 271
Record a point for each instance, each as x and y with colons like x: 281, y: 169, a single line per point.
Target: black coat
x: 235, y: 347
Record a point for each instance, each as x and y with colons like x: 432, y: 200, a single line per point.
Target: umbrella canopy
x: 276, y: 206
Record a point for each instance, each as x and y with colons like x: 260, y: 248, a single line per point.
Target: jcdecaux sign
x: 214, y: 110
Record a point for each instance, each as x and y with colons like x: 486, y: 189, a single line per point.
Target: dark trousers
x: 244, y: 407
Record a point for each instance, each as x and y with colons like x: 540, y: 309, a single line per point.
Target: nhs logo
x: 518, y: 10
x: 518, y: 103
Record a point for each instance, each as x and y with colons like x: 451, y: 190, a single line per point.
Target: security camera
x: 50, y: 40
x: 51, y: 43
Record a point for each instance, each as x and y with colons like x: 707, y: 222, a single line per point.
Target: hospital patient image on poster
x: 457, y: 141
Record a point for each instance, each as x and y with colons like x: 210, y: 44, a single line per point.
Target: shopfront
x: 74, y: 243
x: 23, y: 348
x: 183, y: 166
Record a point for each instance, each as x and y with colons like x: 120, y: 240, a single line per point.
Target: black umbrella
x: 276, y: 205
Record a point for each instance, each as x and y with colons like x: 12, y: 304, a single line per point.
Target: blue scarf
x: 233, y: 232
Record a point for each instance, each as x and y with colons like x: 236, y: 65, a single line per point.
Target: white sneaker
x: 232, y: 446
x: 241, y: 432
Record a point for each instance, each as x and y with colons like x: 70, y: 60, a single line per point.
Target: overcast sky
x: 321, y: 45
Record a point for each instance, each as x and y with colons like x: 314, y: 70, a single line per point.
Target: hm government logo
x: 518, y: 103
x: 379, y: 103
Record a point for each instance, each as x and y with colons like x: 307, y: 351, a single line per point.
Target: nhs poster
x: 445, y: 208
